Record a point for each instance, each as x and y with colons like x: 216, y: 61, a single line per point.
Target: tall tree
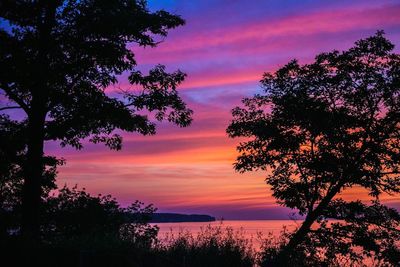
x: 325, y: 127
x: 56, y: 60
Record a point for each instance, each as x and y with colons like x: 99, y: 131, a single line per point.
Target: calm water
x: 249, y: 229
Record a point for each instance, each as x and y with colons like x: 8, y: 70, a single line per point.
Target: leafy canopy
x: 58, y: 57
x: 319, y: 129
x: 326, y: 126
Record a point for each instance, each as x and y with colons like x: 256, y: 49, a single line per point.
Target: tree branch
x: 10, y: 107
x: 15, y: 98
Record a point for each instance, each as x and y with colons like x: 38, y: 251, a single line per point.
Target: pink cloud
x: 242, y: 36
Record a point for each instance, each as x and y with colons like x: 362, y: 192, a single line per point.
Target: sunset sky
x: 224, y: 48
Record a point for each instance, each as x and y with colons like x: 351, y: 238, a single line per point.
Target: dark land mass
x: 175, y: 217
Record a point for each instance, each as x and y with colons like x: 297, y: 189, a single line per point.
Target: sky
x: 225, y: 47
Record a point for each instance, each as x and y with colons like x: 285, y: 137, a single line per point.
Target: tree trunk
x: 33, y: 172
x: 297, y: 238
x: 34, y: 167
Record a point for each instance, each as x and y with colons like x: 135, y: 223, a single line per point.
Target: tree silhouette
x: 56, y: 60
x: 325, y: 127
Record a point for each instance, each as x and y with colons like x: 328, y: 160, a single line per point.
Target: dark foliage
x: 320, y: 129
x: 78, y: 229
x: 82, y: 230
x: 57, y: 58
x: 360, y: 235
x: 12, y: 159
x: 73, y: 214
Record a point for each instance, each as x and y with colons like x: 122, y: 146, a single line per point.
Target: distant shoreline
x: 236, y: 220
x: 177, y: 218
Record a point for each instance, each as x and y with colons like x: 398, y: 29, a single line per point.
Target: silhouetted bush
x: 78, y: 229
x: 74, y: 214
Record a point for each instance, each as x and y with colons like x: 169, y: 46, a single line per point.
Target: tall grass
x: 212, y: 246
